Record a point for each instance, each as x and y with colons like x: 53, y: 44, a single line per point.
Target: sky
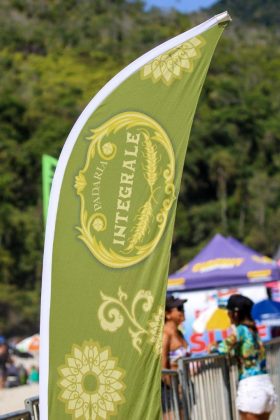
x: 181, y: 5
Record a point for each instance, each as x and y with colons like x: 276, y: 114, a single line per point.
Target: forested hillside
x: 55, y: 55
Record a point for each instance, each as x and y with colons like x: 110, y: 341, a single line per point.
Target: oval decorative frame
x: 110, y: 257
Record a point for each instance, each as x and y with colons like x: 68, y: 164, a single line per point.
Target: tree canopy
x: 55, y: 55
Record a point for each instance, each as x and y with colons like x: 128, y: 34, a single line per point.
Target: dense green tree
x: 56, y: 54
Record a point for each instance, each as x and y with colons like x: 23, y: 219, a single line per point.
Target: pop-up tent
x: 267, y: 312
x: 224, y: 263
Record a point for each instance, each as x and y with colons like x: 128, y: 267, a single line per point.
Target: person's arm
x: 230, y: 343
x: 227, y: 345
x: 165, y: 356
x: 165, y: 351
x: 189, y: 353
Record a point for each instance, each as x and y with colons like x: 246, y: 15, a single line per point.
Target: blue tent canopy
x: 223, y: 263
x: 267, y: 312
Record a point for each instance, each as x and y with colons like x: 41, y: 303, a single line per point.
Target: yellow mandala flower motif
x: 91, y: 383
x: 172, y: 64
x: 155, y: 330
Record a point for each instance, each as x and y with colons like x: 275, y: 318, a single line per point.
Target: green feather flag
x: 109, y: 232
x: 48, y: 168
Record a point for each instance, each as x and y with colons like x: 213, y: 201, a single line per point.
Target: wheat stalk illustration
x: 143, y: 220
x: 146, y: 211
x: 150, y: 169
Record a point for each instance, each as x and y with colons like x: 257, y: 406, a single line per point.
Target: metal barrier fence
x: 31, y: 411
x: 32, y: 405
x: 273, y: 365
x: 204, y: 389
x: 233, y: 379
x: 170, y: 399
x: 17, y: 415
x: 209, y: 385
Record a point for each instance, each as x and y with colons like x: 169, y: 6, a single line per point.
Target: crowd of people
x: 256, y: 397
x: 12, y: 370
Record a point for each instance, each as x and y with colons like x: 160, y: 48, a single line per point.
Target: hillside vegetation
x: 55, y: 55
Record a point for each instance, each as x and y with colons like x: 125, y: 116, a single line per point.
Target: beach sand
x: 12, y: 399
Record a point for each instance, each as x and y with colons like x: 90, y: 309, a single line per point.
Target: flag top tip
x: 223, y: 17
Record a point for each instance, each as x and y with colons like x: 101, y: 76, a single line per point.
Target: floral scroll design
x: 113, y: 311
x: 174, y: 63
x: 91, y: 383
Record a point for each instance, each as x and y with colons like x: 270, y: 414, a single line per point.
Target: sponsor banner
x: 274, y: 288
x: 109, y: 232
x: 206, y: 323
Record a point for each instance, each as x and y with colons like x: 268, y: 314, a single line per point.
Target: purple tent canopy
x: 243, y: 247
x: 224, y: 263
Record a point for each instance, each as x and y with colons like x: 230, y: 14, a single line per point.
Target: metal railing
x: 32, y: 405
x: 31, y: 411
x: 16, y: 415
x: 204, y: 388
x: 209, y: 385
x: 273, y: 366
x: 233, y: 381
x: 170, y: 399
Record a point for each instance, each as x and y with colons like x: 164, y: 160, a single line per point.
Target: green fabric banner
x: 48, y: 167
x: 109, y: 232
